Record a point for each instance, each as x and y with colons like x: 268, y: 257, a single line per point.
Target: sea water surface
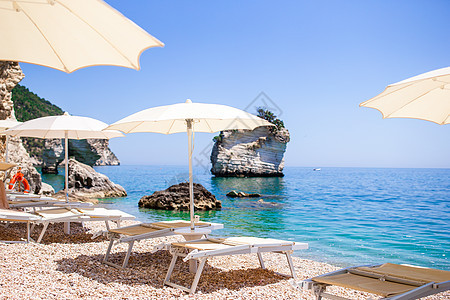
x: 347, y: 215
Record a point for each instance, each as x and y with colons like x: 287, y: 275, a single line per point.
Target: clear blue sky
x: 317, y: 60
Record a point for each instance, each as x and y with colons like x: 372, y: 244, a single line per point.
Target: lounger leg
x: 42, y: 232
x: 291, y: 264
x: 261, y: 262
x: 130, y: 246
x: 67, y: 227
x: 28, y: 232
x: 318, y: 289
x: 193, y: 266
x: 107, y: 225
x: 108, y: 251
x: 197, y: 275
x: 170, y: 270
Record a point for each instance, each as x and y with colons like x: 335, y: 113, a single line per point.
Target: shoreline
x: 70, y: 267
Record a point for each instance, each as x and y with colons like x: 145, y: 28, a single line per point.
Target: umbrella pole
x: 191, y: 184
x: 66, y: 168
x: 66, y: 176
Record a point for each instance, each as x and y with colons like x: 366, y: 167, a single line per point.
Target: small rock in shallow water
x: 235, y: 194
x: 176, y: 197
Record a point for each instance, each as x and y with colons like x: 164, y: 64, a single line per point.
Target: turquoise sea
x: 347, y: 215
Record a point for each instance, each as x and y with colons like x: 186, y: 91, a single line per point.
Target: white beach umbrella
x: 66, y: 127
x: 425, y: 97
x: 6, y: 124
x: 70, y: 34
x: 189, y: 117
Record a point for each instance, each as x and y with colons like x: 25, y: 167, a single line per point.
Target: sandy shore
x: 69, y: 267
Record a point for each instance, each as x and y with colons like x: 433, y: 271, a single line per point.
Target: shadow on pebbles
x: 70, y: 267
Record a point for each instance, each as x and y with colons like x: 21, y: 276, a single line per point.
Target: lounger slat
x: 388, y: 280
x: 387, y: 277
x: 202, y: 245
x: 176, y: 224
x: 413, y: 273
x: 366, y: 284
x: 133, y: 230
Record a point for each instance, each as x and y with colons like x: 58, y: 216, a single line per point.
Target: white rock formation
x: 107, y: 157
x: 47, y: 189
x: 85, y: 182
x: 247, y: 153
x: 53, y: 154
x: 10, y: 76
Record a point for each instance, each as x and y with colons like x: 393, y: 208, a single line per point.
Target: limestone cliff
x: 249, y: 153
x: 10, y: 75
x: 101, y: 148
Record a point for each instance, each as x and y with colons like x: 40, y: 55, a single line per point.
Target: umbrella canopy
x: 189, y: 117
x: 70, y: 34
x: 172, y: 119
x: 58, y: 127
x: 67, y: 127
x: 6, y: 124
x: 425, y: 97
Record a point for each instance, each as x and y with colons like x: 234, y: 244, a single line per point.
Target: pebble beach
x: 70, y: 267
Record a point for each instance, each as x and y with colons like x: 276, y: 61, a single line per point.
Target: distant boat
x: 316, y: 169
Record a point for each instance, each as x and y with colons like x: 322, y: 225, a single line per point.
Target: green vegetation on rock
x: 27, y: 106
x: 270, y: 116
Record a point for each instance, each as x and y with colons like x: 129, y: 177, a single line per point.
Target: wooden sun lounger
x: 46, y: 202
x: 8, y: 215
x: 26, y: 200
x: 131, y: 234
x: 80, y: 215
x: 390, y: 281
x: 203, y: 249
x: 58, y: 215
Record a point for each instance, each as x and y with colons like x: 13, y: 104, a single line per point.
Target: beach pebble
x: 69, y: 267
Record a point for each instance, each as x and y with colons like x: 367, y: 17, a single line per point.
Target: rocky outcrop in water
x: 85, y: 182
x: 249, y: 153
x: 236, y: 194
x: 10, y: 75
x: 176, y: 197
